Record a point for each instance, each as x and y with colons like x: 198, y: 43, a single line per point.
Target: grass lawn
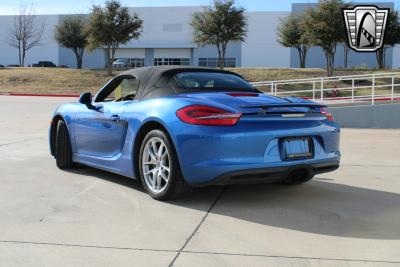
x: 51, y: 80
x: 73, y: 81
x: 274, y: 74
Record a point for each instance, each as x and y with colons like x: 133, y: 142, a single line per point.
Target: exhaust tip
x: 298, y: 176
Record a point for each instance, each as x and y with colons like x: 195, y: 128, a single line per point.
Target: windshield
x: 211, y: 80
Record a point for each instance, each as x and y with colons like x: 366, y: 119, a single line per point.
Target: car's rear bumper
x: 273, y: 174
x: 251, y: 147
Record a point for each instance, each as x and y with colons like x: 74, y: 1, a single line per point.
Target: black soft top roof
x: 153, y: 80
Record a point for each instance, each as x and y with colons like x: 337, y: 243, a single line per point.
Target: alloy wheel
x: 156, y: 165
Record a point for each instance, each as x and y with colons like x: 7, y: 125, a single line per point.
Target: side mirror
x: 86, y: 99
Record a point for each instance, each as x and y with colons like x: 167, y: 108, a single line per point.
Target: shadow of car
x: 323, y: 206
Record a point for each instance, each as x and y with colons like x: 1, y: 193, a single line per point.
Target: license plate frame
x: 305, y: 148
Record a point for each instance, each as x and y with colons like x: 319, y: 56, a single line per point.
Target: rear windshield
x: 212, y: 81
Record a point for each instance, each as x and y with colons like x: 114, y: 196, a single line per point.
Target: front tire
x: 159, y: 168
x: 63, y: 147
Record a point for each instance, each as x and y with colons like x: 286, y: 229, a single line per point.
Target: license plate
x: 297, y: 148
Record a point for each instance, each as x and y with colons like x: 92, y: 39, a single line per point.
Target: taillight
x: 205, y: 115
x: 328, y: 115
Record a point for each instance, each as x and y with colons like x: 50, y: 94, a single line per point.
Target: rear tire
x: 159, y: 168
x: 63, y: 147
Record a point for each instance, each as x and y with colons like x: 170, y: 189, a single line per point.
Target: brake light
x: 205, y: 115
x: 328, y: 115
x: 238, y: 94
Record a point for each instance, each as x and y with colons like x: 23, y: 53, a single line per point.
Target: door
x: 99, y: 129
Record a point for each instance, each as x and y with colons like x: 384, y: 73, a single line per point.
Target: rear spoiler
x: 265, y: 109
x: 286, y: 105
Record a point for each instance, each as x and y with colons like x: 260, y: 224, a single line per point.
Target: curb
x: 42, y: 95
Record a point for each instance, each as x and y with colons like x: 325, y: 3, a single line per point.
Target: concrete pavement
x: 87, y: 217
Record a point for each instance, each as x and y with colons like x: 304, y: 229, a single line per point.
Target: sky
x: 10, y: 7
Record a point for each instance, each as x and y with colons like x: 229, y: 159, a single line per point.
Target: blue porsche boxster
x: 175, y: 128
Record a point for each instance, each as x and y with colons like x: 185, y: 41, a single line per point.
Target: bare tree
x: 25, y: 33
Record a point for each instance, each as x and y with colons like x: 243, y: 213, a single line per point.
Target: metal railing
x: 339, y: 89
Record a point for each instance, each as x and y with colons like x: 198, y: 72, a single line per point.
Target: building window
x: 213, y: 62
x: 171, y: 61
x: 129, y: 63
x: 136, y: 62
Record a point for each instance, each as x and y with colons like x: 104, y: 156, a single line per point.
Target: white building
x: 167, y: 39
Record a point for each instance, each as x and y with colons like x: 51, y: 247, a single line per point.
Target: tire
x: 153, y: 166
x: 63, y: 147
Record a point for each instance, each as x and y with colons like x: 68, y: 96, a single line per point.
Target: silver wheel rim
x: 156, y: 165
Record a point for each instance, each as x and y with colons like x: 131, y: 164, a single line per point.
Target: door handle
x: 115, y: 117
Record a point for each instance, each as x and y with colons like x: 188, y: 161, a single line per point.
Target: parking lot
x: 87, y: 217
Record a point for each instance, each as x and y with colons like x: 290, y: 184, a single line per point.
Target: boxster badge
x: 365, y: 27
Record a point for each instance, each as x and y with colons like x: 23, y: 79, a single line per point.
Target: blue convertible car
x: 180, y: 127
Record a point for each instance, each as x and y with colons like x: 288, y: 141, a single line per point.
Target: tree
x: 346, y: 50
x: 218, y: 25
x: 25, y: 33
x: 291, y: 33
x: 324, y: 26
x: 391, y: 38
x: 112, y: 26
x: 72, y: 34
